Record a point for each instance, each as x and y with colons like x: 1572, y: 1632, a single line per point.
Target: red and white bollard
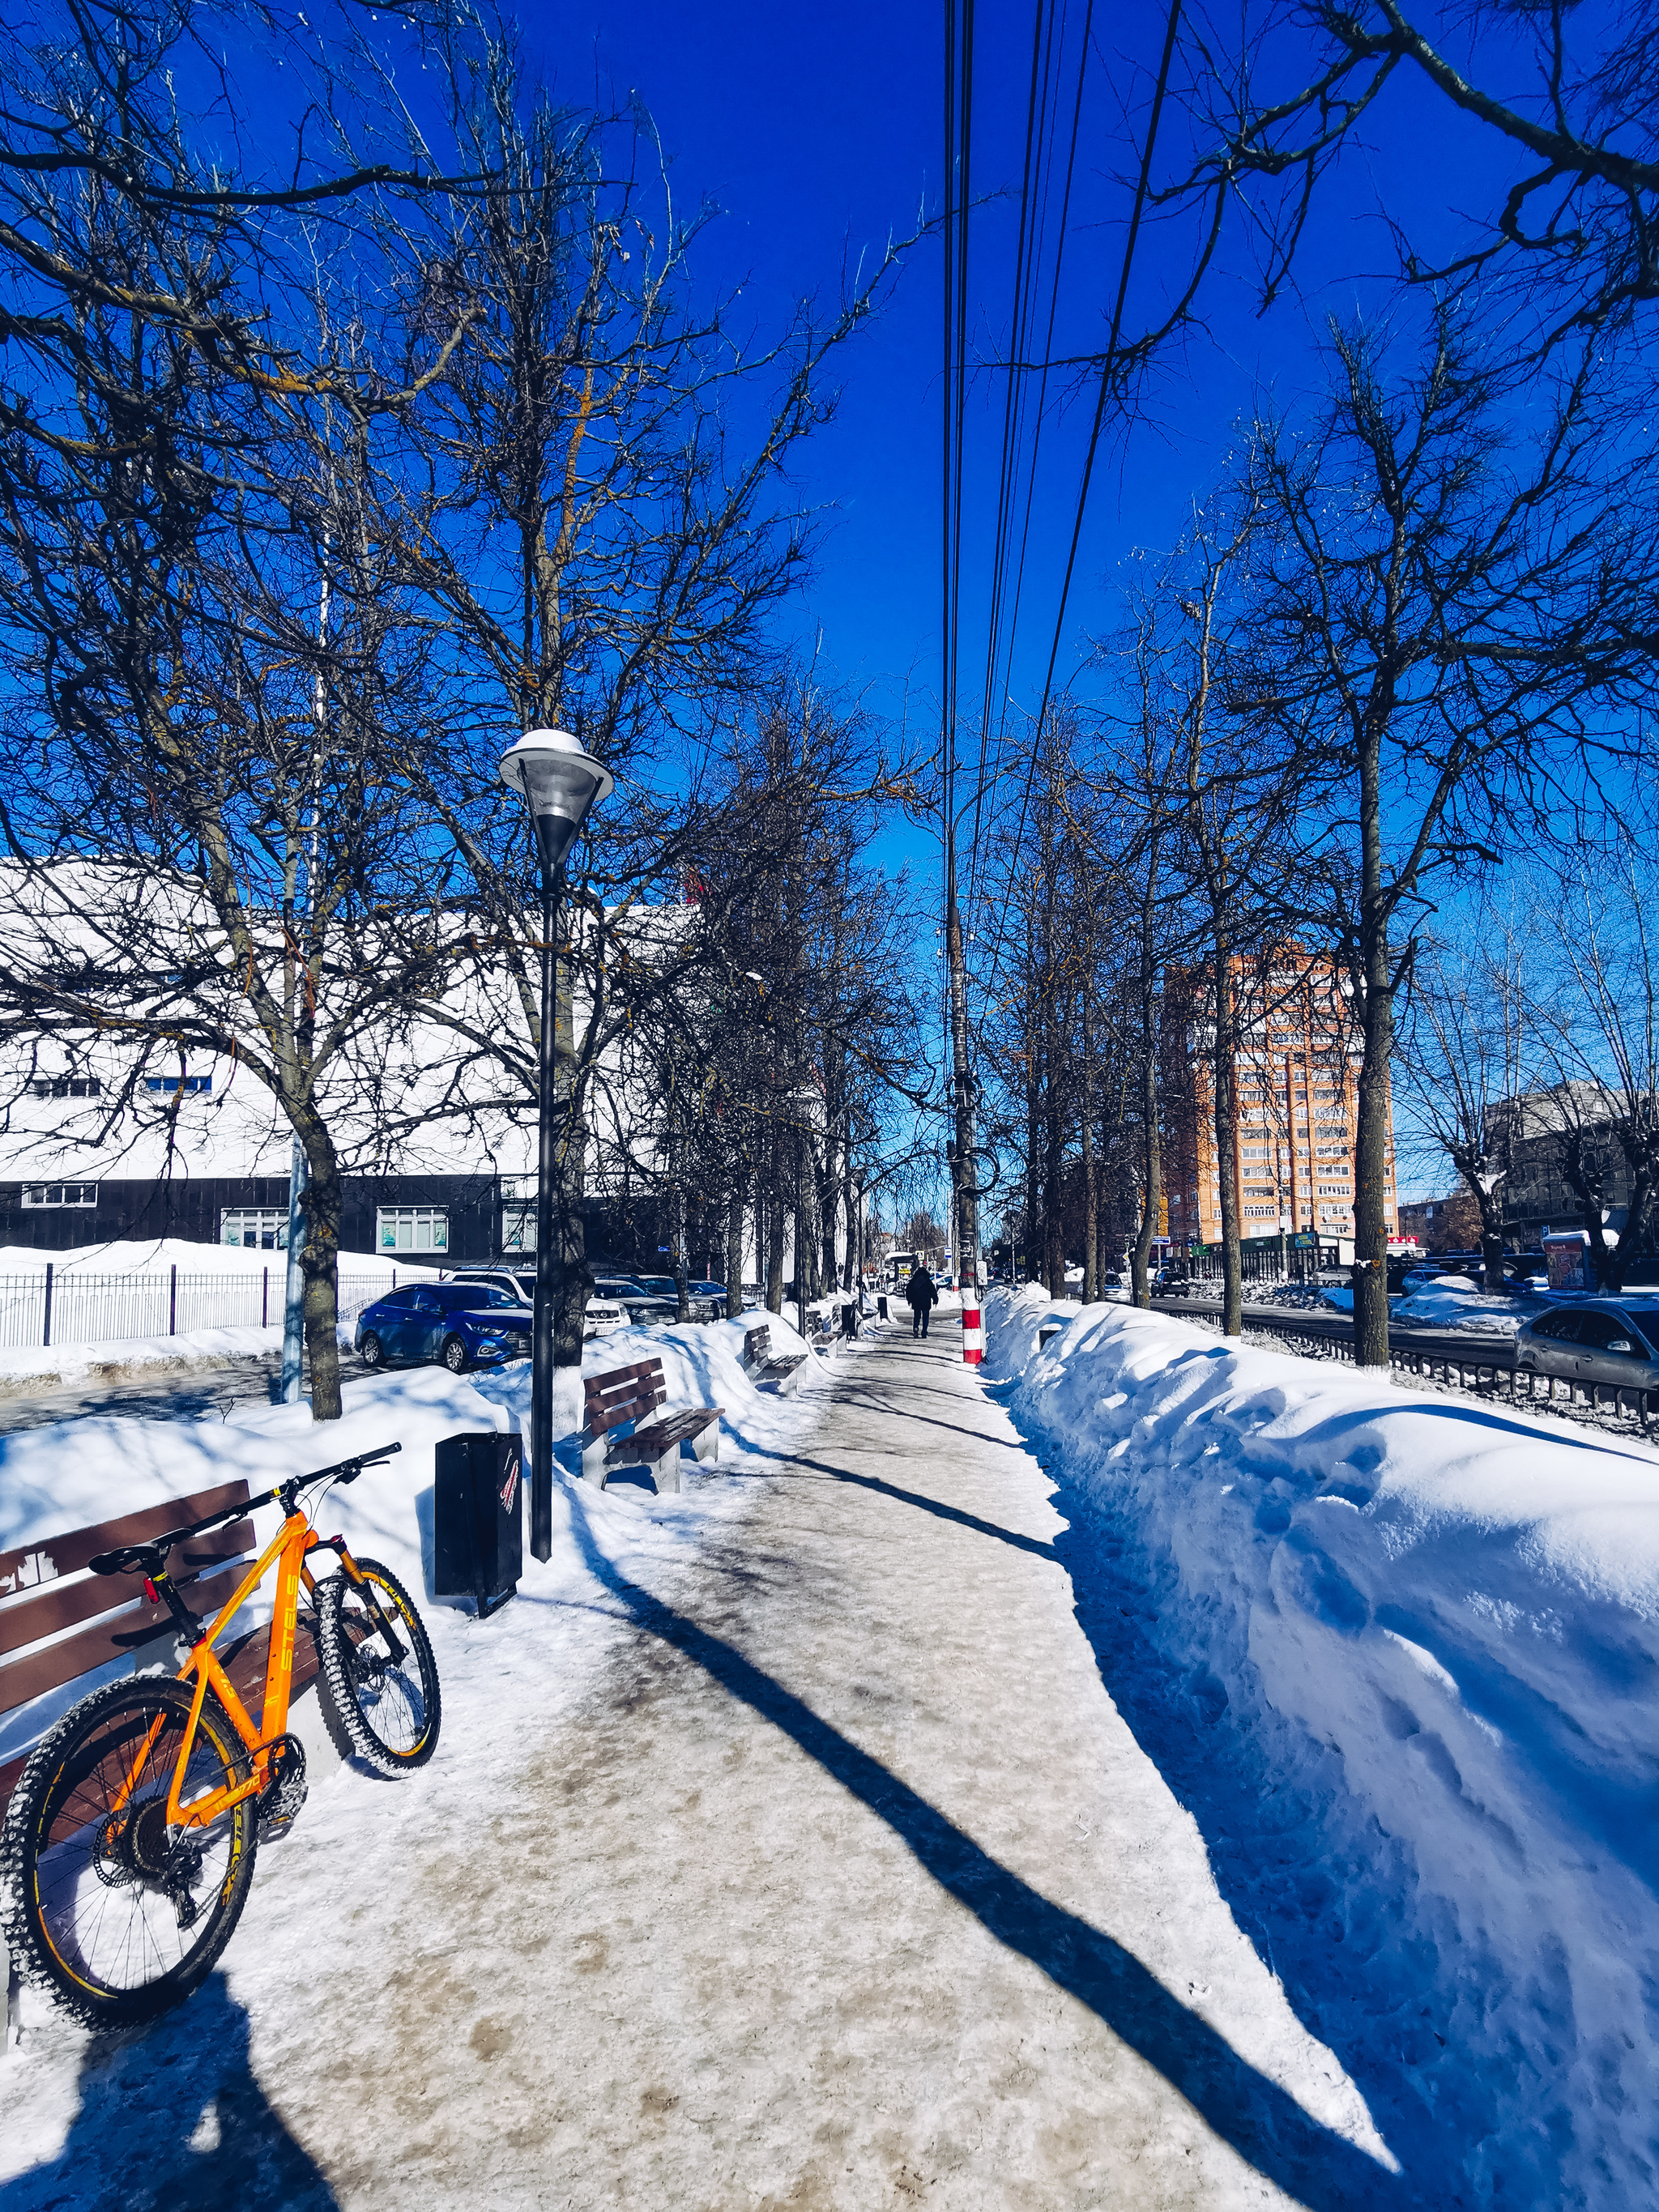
x: 973, y: 1327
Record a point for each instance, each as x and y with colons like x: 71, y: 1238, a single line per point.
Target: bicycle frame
x: 287, y: 1549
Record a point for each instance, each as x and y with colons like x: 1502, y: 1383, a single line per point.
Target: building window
x: 255, y: 1228
x: 60, y: 1194
x: 412, y: 1229
x: 167, y: 1085
x: 66, y: 1086
x: 518, y: 1225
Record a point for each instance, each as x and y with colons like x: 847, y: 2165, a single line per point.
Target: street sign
x: 1303, y: 1241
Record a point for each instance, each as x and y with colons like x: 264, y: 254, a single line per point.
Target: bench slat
x: 57, y: 1605
x: 652, y: 1442
x: 113, y: 1637
x: 614, y: 1378
x: 21, y: 1568
x: 244, y: 1659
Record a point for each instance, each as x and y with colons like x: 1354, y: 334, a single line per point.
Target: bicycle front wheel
x: 120, y: 1916
x: 386, y: 1701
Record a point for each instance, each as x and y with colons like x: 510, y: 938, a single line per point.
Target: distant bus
x: 899, y: 1265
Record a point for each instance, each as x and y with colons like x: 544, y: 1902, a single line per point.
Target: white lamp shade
x: 560, y: 782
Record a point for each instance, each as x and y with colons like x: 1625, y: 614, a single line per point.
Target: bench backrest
x: 44, y: 1588
x: 626, y: 1394
x: 757, y: 1346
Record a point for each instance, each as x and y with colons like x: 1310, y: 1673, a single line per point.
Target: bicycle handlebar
x: 135, y: 1559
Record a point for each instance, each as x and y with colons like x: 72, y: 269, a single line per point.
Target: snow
x: 1407, y: 1654
x: 803, y: 1861
x: 155, y: 1255
x: 1458, y: 1302
x: 69, y: 1474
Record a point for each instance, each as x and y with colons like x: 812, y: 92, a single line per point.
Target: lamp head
x: 560, y: 782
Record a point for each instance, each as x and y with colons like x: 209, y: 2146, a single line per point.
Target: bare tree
x: 576, y: 522
x: 1466, y: 1060
x: 1563, y: 106
x: 1437, y: 606
x: 1601, y: 1028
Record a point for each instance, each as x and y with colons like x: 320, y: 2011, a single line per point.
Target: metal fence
x: 66, y: 1306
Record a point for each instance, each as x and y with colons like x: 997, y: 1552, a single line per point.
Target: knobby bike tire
x: 389, y: 1714
x: 101, y: 1906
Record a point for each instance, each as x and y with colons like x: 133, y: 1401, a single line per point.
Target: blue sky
x: 819, y: 133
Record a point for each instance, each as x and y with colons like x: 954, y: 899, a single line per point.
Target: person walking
x: 921, y: 1295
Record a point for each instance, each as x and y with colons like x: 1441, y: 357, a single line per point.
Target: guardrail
x: 1470, y: 1364
x: 62, y: 1305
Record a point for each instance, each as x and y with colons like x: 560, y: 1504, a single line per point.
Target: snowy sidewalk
x: 838, y: 1883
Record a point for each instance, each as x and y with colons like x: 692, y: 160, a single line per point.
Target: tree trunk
x: 1226, y: 1139
x: 682, y: 1272
x: 1371, y: 1243
x: 1589, y: 1179
x: 321, y: 1200
x: 1090, y: 1194
x: 775, y: 1219
x: 1033, y: 1175
x: 1151, y: 1156
x: 735, y: 1248
x: 1054, y: 1238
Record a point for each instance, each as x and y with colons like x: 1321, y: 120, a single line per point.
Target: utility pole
x: 964, y: 1154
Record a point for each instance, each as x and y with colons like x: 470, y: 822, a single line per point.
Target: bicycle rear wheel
x: 386, y: 1704
x: 118, y: 1916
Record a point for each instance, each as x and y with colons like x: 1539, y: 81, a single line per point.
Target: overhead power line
x: 1110, y: 364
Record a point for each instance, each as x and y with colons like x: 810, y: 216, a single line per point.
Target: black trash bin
x: 477, y: 1518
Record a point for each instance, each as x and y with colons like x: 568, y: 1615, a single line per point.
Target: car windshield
x: 618, y: 1286
x: 479, y: 1294
x: 663, y: 1285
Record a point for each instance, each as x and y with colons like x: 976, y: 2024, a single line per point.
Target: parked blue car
x: 462, y: 1324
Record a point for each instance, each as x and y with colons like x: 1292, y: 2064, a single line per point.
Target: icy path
x: 837, y: 1881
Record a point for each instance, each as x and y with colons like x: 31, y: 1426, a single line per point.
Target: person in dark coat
x: 922, y: 1297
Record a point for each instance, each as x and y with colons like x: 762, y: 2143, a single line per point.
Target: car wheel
x: 371, y: 1350
x: 454, y: 1354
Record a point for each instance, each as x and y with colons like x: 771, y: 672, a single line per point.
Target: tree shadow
x: 171, y: 2119
x: 1266, y: 2125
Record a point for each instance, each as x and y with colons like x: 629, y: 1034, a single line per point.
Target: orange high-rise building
x: 1296, y: 1063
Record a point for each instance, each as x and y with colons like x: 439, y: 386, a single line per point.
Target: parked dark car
x: 704, y: 1301
x: 641, y: 1305
x: 462, y: 1324
x: 1591, y: 1344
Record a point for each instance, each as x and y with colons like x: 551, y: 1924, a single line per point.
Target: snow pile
x: 1401, y: 1658
x: 1458, y: 1302
x: 155, y: 1255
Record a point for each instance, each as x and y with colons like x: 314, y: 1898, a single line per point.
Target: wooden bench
x: 781, y: 1374
x: 626, y: 1398
x: 45, y: 1588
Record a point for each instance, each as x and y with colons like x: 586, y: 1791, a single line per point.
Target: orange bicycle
x: 129, y: 1840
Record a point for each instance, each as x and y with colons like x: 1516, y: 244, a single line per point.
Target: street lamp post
x: 560, y: 782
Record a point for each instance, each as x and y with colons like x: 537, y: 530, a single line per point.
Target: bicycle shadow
x: 175, y: 2117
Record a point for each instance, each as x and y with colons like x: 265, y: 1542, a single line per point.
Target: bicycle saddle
x: 132, y: 1559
